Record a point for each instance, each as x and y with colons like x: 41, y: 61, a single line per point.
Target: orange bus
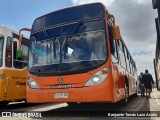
x: 76, y: 54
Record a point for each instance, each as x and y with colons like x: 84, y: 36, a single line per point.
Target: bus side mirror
x: 116, y: 32
x: 19, y: 50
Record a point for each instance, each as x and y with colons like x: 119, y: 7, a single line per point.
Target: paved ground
x: 61, y: 111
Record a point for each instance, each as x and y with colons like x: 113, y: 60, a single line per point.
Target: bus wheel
x: 125, y: 100
x: 136, y: 94
x: 4, y: 103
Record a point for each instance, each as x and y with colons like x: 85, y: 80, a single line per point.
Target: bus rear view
x: 70, y: 57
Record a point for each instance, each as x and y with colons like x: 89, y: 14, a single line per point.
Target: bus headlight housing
x: 98, y: 78
x: 33, y: 84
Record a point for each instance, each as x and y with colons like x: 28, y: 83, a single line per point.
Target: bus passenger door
x: 15, y: 78
x: 9, y: 72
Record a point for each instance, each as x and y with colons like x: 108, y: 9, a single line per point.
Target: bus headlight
x: 33, y: 84
x: 98, y: 78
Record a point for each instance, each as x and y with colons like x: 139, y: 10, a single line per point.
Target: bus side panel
x: 2, y: 86
x: 107, y: 86
x: 132, y: 84
x: 119, y: 82
x: 16, y: 86
x: 121, y: 77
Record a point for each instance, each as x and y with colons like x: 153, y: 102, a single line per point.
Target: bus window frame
x: 127, y: 59
x: 21, y: 61
x: 2, y: 56
x: 121, y: 48
x: 7, y: 53
x: 116, y: 54
x: 132, y: 67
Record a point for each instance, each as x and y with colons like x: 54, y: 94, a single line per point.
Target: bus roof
x: 7, y: 31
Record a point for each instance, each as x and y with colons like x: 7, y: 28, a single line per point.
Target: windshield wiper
x: 68, y: 38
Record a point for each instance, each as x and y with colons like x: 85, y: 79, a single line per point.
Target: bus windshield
x: 1, y: 50
x: 72, y: 47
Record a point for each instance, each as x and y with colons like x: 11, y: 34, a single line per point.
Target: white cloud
x: 11, y: 25
x: 145, y: 60
x: 140, y: 1
x: 109, y: 2
x: 105, y: 2
x: 136, y: 21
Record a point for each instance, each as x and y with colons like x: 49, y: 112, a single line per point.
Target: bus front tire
x: 125, y: 100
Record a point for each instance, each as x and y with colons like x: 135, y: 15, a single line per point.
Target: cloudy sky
x: 135, y: 18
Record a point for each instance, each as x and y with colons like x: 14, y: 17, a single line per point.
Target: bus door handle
x: 7, y: 80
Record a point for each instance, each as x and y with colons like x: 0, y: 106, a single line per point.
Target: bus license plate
x: 61, y: 95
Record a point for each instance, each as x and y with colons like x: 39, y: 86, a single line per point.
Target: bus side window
x: 127, y: 59
x: 112, y: 46
x: 19, y: 63
x: 14, y: 49
x: 132, y: 67
x: 121, y: 45
x: 115, y: 58
x: 1, y: 50
x: 116, y: 50
x: 122, y: 54
x: 8, y: 59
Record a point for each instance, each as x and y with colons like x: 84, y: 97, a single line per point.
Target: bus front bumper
x: 99, y: 93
